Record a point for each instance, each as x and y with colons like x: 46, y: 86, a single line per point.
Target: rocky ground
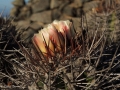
x: 31, y: 16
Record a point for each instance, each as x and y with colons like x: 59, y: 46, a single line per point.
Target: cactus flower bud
x: 46, y: 38
x: 39, y: 43
x: 55, y: 37
x: 52, y: 38
x: 43, y: 43
x: 65, y: 27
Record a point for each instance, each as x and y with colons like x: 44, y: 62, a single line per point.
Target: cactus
x: 90, y: 61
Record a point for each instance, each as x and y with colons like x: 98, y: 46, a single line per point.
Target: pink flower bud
x: 65, y: 27
x: 55, y: 37
x: 52, y: 38
x: 46, y: 38
x: 43, y: 43
x: 39, y: 44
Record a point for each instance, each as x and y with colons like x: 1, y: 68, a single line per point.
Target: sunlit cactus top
x: 52, y: 39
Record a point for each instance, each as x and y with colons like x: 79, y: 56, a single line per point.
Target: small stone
x: 80, y: 3
x: 55, y: 3
x: 65, y: 17
x: 40, y: 5
x: 25, y: 12
x: 18, y: 3
x: 64, y: 4
x: 69, y: 9
x: 23, y: 24
x: 55, y: 14
x: 35, y: 26
x: 44, y: 17
x: 14, y: 12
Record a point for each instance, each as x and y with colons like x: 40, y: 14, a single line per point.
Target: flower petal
x: 65, y: 27
x: 39, y: 44
x: 55, y: 37
x: 46, y: 39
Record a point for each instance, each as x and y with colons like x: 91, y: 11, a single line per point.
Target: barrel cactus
x: 61, y: 59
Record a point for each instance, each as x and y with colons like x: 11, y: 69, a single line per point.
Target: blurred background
x: 6, y: 5
x: 30, y: 15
